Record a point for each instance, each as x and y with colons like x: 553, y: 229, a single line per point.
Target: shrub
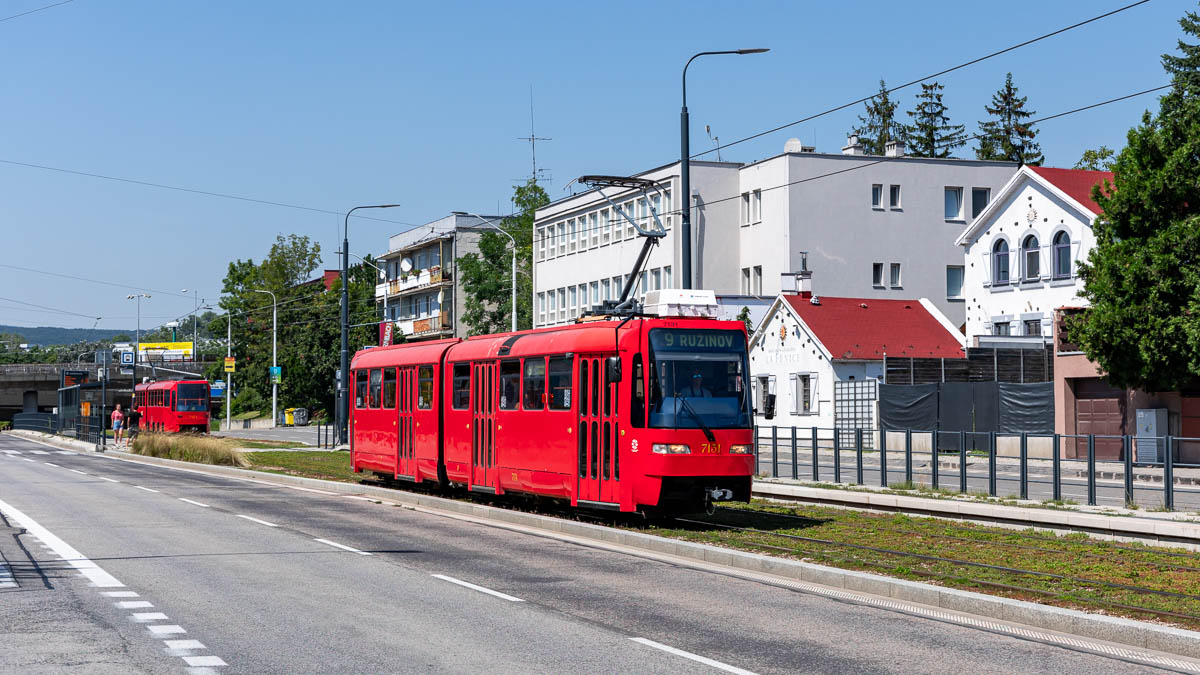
x: 189, y: 448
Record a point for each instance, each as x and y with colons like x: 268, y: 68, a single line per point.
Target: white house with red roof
x: 1021, y: 253
x: 805, y: 343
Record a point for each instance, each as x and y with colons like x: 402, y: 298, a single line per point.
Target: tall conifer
x: 1007, y: 136
x: 931, y: 134
x: 879, y: 126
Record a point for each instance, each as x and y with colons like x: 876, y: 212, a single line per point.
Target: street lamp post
x: 137, y: 345
x: 343, y: 392
x: 685, y: 179
x: 195, y: 323
x: 494, y: 226
x: 274, y: 362
x: 382, y: 275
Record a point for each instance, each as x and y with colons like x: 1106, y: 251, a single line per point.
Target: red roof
x: 1077, y: 183
x: 866, y: 328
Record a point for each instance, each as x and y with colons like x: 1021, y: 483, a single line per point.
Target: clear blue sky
x: 335, y: 104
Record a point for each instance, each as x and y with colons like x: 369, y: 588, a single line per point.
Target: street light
x: 195, y: 327
x: 685, y: 179
x: 343, y: 392
x: 382, y: 275
x: 137, y: 345
x: 493, y: 225
x: 274, y: 363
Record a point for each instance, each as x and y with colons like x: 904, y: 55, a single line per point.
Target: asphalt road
x: 240, y: 576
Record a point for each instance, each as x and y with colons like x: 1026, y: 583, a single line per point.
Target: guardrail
x: 44, y: 422
x: 1128, y: 471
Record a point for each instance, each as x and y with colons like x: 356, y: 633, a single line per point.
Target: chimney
x: 894, y: 148
x: 853, y: 147
x: 802, y: 280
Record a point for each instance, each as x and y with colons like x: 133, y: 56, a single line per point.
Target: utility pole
x: 274, y: 362
x: 229, y: 383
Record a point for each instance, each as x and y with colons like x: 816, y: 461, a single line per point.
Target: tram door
x: 483, y: 423
x: 598, y: 469
x: 405, y: 395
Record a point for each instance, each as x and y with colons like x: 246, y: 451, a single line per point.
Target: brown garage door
x: 1099, y: 411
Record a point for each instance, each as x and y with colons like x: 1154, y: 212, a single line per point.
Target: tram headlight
x: 740, y: 449
x: 670, y: 449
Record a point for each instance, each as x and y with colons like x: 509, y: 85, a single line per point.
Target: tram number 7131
x: 710, y: 448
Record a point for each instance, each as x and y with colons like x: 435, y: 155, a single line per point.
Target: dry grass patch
x: 190, y: 448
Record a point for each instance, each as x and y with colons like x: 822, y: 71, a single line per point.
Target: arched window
x: 1000, y: 262
x: 1062, y: 255
x: 1030, y: 269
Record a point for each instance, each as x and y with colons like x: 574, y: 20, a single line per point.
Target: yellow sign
x: 229, y: 364
x: 168, y: 351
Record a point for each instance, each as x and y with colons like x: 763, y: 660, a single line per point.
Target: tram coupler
x: 717, y: 494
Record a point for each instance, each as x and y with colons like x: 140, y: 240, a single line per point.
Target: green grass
x: 248, y: 415
x: 189, y: 448
x: 262, y: 445
x: 313, y: 464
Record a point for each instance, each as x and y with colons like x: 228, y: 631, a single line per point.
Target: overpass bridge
x: 33, y: 387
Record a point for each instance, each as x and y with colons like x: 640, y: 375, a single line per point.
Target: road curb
x: 56, y: 440
x: 831, y: 582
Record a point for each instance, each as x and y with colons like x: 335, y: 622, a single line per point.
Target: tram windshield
x: 192, y: 397
x: 698, y: 379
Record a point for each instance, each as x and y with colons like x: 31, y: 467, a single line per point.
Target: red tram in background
x: 173, y: 405
x: 640, y: 413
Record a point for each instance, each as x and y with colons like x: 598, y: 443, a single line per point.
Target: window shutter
x: 795, y: 391
x: 1046, y: 254
x: 986, y: 264
x: 812, y: 392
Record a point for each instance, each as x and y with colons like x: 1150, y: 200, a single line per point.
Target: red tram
x: 174, y: 405
x: 633, y: 414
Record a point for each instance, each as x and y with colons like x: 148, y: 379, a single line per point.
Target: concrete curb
x: 1159, y: 531
x: 56, y: 440
x: 871, y: 586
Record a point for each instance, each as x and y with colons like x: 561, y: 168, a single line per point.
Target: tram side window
x: 637, y: 399
x: 461, y: 386
x: 425, y: 387
x: 373, y: 393
x: 535, y: 384
x: 389, y: 388
x: 560, y: 383
x: 510, y: 384
x: 360, y: 389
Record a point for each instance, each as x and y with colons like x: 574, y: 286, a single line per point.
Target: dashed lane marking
x: 694, y: 657
x: 193, y: 503
x: 145, y: 617
x: 119, y: 594
x: 133, y: 604
x: 481, y: 589
x: 183, y: 644
x: 77, y: 471
x: 28, y: 460
x: 111, y: 480
x: 203, y: 661
x: 342, y: 546
x: 53, y: 465
x: 166, y: 629
x: 256, y: 520
x: 145, y: 488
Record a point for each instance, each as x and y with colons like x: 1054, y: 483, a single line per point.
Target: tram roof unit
x: 165, y: 384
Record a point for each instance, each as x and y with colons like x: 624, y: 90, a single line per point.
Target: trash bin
x: 300, y: 417
x: 289, y: 415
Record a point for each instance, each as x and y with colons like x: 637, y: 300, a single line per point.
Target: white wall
x: 1021, y: 300
x: 780, y: 358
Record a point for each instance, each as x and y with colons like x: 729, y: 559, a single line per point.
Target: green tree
x: 880, y: 125
x: 1142, y: 279
x: 744, y: 317
x: 931, y: 134
x: 1100, y: 159
x: 1007, y: 136
x: 486, y: 276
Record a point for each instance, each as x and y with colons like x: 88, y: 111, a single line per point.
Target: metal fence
x: 325, y: 435
x: 44, y: 422
x: 1135, y: 472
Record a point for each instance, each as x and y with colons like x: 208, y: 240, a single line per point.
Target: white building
x: 1021, y: 253
x: 873, y: 227
x: 807, y: 344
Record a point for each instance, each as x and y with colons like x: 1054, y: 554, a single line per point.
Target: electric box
x: 1150, y: 440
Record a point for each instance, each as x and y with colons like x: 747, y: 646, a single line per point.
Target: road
x: 189, y: 571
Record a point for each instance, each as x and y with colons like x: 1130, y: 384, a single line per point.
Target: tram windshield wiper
x: 703, y: 427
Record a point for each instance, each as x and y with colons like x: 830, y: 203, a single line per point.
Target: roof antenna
x: 537, y: 175
x: 716, y: 141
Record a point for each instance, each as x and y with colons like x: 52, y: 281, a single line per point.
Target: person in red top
x: 118, y: 418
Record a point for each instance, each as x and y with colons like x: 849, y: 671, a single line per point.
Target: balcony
x: 414, y: 280
x: 438, y: 322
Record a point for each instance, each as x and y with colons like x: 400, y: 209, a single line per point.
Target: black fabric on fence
x: 956, y: 412
x: 908, y: 406
x: 1026, y: 408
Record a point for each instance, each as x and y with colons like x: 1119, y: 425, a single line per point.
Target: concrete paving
x: 307, y: 435
x: 270, y: 579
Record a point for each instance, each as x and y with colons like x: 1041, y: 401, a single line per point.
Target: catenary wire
x: 927, y: 77
x: 34, y: 11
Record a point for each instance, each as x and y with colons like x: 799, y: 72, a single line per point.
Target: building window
x: 605, y: 227
x: 745, y: 281
x: 541, y: 308
x: 572, y: 235
x: 605, y: 290
x: 562, y: 304
x: 802, y: 399
x: 541, y: 243
x: 562, y: 239
x: 593, y: 231
x: 1062, y: 255
x: 895, y: 275
x: 1003, y: 329
x: 572, y: 299
x: 756, y: 206
x: 757, y: 280
x: 1000, y: 263
x: 877, y: 274
x: 954, y: 281
x: 954, y: 203
x: 628, y: 223
x: 655, y: 279
x: 595, y: 293
x: 1033, y: 327
x: 877, y: 196
x: 667, y: 209
x: 1030, y: 254
x: 552, y: 301
x: 894, y: 196
x: 979, y: 200
x: 745, y: 208
x: 667, y: 277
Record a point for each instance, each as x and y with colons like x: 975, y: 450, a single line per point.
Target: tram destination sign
x: 690, y: 340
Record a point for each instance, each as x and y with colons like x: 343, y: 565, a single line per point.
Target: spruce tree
x: 879, y: 126
x: 931, y: 134
x: 1007, y: 137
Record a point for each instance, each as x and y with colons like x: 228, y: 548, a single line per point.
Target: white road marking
x: 39, y: 452
x: 203, y: 671
x: 52, y: 464
x: 193, y: 503
x: 119, y: 594
x: 111, y: 480
x: 63, y: 452
x: 260, y: 522
x: 91, y: 570
x: 166, y: 629
x: 12, y: 452
x: 183, y: 644
x: 342, y: 546
x: 76, y: 470
x: 481, y: 589
x: 363, y: 499
x: 6, y: 577
x: 143, y: 617
x: 695, y: 657
x: 28, y: 460
x: 304, y: 489
x: 144, y: 488
x: 133, y: 604
x: 204, y: 661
